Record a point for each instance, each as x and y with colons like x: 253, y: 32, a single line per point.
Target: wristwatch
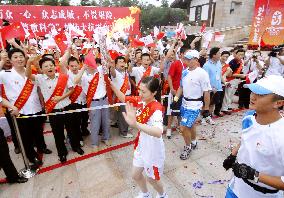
x: 256, y: 177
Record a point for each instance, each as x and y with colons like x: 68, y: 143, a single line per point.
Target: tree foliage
x: 159, y: 16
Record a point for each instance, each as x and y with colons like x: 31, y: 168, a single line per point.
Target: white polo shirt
x: 138, y: 72
x: 82, y: 97
x: 14, y: 83
x: 275, y: 67
x: 193, y: 84
x: 47, y: 86
x: 101, y: 88
x: 119, y: 80
x: 262, y: 148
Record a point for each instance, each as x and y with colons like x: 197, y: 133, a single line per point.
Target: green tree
x: 165, y: 4
x: 64, y: 3
x: 85, y: 3
x: 158, y: 16
x: 51, y: 2
x: 105, y: 3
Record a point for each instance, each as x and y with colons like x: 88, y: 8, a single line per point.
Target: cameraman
x: 275, y: 62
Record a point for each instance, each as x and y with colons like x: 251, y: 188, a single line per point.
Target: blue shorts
x: 188, y: 116
x: 230, y: 193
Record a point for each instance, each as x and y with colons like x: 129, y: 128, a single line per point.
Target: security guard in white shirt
x: 258, y: 161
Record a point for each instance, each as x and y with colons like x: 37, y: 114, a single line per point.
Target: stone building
x: 232, y: 17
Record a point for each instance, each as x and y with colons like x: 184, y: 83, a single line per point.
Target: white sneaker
x: 203, y: 122
x: 144, y: 195
x: 169, y: 133
x: 210, y: 121
x: 129, y: 135
x: 164, y: 196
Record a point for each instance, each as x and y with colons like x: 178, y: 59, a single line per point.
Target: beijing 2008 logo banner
x: 268, y: 23
x: 40, y: 20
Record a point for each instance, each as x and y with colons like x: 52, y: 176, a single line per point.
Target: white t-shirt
x: 138, y: 72
x: 47, y: 86
x: 262, y: 148
x: 194, y: 84
x: 275, y: 67
x: 101, y: 88
x: 119, y: 80
x: 13, y: 84
x: 82, y: 97
x: 151, y: 149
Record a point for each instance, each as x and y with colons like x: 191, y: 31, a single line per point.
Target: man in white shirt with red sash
x: 145, y: 70
x: 94, y: 86
x: 78, y: 97
x: 120, y: 79
x: 56, y: 89
x: 22, y: 93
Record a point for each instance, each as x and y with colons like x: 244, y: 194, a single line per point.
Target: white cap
x: 190, y: 54
x: 268, y: 85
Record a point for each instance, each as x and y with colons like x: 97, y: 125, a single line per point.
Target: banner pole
x: 27, y: 172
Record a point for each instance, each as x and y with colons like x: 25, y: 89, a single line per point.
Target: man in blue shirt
x: 214, y: 69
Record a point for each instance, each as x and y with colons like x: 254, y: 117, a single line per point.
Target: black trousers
x: 5, y: 159
x: 31, y: 130
x: 67, y: 121
x: 219, y: 101
x: 244, y: 96
x: 81, y: 118
x: 35, y: 128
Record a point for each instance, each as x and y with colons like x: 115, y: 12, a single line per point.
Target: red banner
x: 268, y: 23
x: 42, y: 19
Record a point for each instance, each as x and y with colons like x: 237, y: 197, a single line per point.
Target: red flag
x: 59, y: 40
x: 88, y: 34
x: 203, y: 27
x: 160, y: 35
x: 13, y: 31
x: 114, y: 54
x: 137, y: 43
x: 90, y: 60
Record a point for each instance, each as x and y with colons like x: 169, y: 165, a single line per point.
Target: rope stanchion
x: 27, y: 172
x: 74, y: 111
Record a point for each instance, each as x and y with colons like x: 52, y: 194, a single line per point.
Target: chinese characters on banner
x: 40, y: 20
x: 268, y: 23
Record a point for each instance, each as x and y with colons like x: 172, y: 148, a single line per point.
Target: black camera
x: 275, y: 50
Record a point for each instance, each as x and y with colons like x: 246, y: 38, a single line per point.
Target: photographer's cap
x: 272, y: 84
x: 190, y: 54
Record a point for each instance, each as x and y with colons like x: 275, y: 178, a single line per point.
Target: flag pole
x: 28, y: 171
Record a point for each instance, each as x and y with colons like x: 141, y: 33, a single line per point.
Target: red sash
x: 145, y: 74
x: 238, y: 71
x: 108, y: 89
x: 124, y: 87
x: 224, y: 68
x: 92, y: 89
x: 58, y: 91
x: 77, y: 91
x: 165, y: 87
x: 145, y: 115
x: 3, y: 93
x: 23, y: 96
